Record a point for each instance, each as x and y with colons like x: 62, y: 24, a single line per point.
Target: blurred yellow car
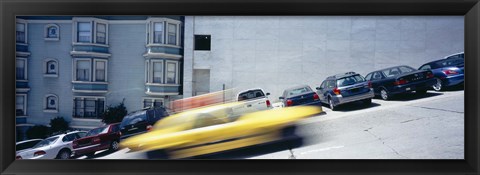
x: 217, y: 128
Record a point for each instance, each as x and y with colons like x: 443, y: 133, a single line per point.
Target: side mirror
x: 281, y: 98
x: 268, y: 93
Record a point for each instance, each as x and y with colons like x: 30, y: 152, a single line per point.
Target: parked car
x: 253, y: 100
x: 141, y: 121
x: 345, y: 88
x: 26, y: 144
x: 55, y: 147
x: 299, y: 95
x: 456, y: 55
x: 101, y: 138
x: 447, y: 72
x: 213, y: 129
x: 400, y: 79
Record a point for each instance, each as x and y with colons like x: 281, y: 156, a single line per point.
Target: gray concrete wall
x: 275, y: 52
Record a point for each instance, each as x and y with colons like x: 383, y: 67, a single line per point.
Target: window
x: 51, y: 103
x: 158, y: 32
x: 21, y: 105
x: 157, y: 71
x: 153, y: 102
x: 172, y: 34
x: 101, y: 33
x: 88, y: 107
x: 171, y: 72
x: 21, y: 33
x: 426, y: 67
x: 368, y: 77
x: 21, y: 69
x: 84, y: 32
x: 83, y: 70
x: 100, y: 72
x: 50, y: 68
x: 202, y: 42
x: 377, y: 76
x: 52, y: 32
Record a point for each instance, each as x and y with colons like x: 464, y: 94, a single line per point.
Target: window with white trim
x: 157, y: 72
x: 51, y: 103
x: 21, y: 32
x: 88, y: 107
x: 100, y: 70
x: 90, y: 30
x: 50, y: 67
x: 52, y: 32
x: 158, y: 32
x: 163, y: 31
x: 21, y: 105
x: 171, y: 74
x: 153, y: 102
x: 21, y: 69
x: 90, y: 70
x: 82, y: 70
x: 172, y: 34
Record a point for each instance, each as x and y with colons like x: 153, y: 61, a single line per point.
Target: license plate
x: 408, y: 89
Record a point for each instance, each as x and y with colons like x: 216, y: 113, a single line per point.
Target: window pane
x: 51, y: 67
x: 158, y: 33
x: 100, y: 71
x: 83, y: 70
x: 147, y: 103
x: 172, y: 34
x: 51, y: 102
x: 78, y: 107
x: 20, y: 32
x: 20, y: 70
x: 157, y: 72
x: 52, y: 32
x: 84, y: 32
x: 20, y: 110
x: 101, y: 33
x: 171, y: 73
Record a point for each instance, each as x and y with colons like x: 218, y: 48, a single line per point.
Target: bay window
x: 83, y: 70
x: 172, y: 34
x: 88, y: 107
x: 157, y: 71
x: 21, y: 33
x: 100, y: 72
x: 101, y: 33
x: 171, y: 72
x: 21, y: 69
x: 91, y: 30
x: 21, y: 105
x: 84, y: 32
x: 158, y: 32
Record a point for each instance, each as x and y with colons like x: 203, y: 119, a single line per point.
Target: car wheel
x: 384, y: 94
x: 114, y: 145
x: 367, y: 101
x: 330, y: 103
x: 437, y: 86
x: 63, y: 154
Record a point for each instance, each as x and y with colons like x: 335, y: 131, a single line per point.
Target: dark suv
x: 141, y: 121
x: 345, y: 88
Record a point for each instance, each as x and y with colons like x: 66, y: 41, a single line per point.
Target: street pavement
x: 408, y: 127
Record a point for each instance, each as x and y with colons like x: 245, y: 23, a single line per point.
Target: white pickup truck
x: 254, y: 100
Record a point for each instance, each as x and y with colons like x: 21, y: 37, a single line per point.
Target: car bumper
x: 339, y: 99
x: 421, y: 85
x: 454, y: 80
x: 317, y: 102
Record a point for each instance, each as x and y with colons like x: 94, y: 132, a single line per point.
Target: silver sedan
x: 55, y: 147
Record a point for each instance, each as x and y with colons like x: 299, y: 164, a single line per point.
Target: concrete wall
x: 276, y: 52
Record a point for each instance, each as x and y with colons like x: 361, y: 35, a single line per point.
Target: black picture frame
x: 9, y: 9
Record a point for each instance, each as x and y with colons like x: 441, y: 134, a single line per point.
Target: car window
x: 205, y: 120
x: 405, y: 69
x: 68, y: 138
x: 462, y: 56
x: 368, y: 77
x: 46, y: 142
x: 323, y: 85
x: 331, y: 84
x: 26, y: 145
x: 115, y: 128
x: 97, y: 131
x: 80, y: 134
x: 250, y: 95
x: 134, y: 118
x: 377, y: 76
x: 426, y: 67
x: 350, y: 80
x: 299, y: 91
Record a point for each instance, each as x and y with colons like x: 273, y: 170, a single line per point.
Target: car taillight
x: 336, y: 91
x: 39, y: 153
x: 96, y: 140
x: 268, y: 103
x: 369, y: 84
x: 18, y: 157
x: 315, y: 96
x: 450, y: 72
x: 289, y: 102
x: 149, y: 127
x: 400, y: 82
x: 429, y: 75
x: 120, y: 133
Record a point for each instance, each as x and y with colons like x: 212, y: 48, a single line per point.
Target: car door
x: 321, y: 92
x: 376, y: 80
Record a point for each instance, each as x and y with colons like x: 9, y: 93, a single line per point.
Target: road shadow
x: 458, y: 87
x: 413, y: 96
x: 97, y: 155
x: 354, y: 106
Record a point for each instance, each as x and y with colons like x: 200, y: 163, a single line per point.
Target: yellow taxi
x: 217, y: 128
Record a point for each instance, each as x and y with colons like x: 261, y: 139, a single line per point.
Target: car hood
x: 248, y: 124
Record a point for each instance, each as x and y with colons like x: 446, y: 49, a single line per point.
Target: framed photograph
x: 274, y: 87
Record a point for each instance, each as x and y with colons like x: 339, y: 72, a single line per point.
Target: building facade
x: 75, y: 67
x: 278, y: 52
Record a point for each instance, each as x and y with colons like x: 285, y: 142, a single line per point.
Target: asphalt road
x: 408, y: 127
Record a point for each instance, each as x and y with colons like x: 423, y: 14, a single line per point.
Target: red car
x: 102, y: 138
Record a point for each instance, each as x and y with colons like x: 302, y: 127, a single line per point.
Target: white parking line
x: 322, y: 149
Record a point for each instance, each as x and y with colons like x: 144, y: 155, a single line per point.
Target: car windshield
x: 97, y: 131
x: 298, y: 91
x: 347, y: 81
x: 250, y: 95
x: 448, y: 63
x: 45, y: 142
x: 134, y: 118
x: 397, y: 71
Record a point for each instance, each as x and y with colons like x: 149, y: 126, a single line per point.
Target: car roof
x: 251, y: 89
x: 342, y: 75
x: 454, y: 54
x: 24, y: 141
x: 296, y: 87
x: 391, y: 68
